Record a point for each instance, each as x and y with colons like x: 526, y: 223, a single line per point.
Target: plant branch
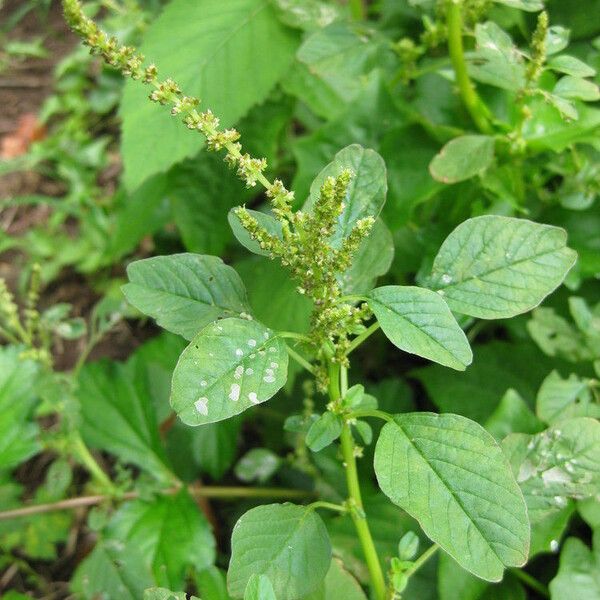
x: 359, y: 339
x: 300, y: 360
x: 221, y: 492
x: 473, y: 103
x: 329, y: 506
x: 422, y: 560
x: 531, y: 582
x: 358, y: 10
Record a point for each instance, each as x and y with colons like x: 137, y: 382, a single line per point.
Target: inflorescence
x: 307, y: 247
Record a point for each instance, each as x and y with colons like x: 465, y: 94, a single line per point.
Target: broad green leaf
x: 512, y: 415
x: 497, y: 61
x: 267, y: 221
x: 418, y: 321
x: 576, y: 88
x: 560, y: 399
x: 169, y: 532
x: 112, y: 570
x: 408, y: 546
x: 372, y: 260
x: 494, y: 267
x: 18, y: 431
x: 258, y: 464
x: 246, y: 41
x: 185, y: 292
x: 165, y: 594
x: 259, y: 588
x: 212, y: 585
x: 228, y: 367
x: 528, y: 5
x: 325, y: 430
x: 571, y: 66
x: 565, y: 107
x: 579, y: 571
x: 449, y: 474
x: 287, y: 543
x: 119, y: 416
x: 546, y: 532
x: 557, y: 39
x: 366, y: 193
x: 306, y: 14
x: 462, y: 158
x: 338, y: 583
x: 560, y: 463
x: 589, y: 509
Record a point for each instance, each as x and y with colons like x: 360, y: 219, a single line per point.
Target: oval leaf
x: 287, y: 543
x: 462, y: 158
x: 269, y: 222
x: 367, y: 190
x: 185, y: 292
x: 418, y: 321
x: 495, y: 267
x: 228, y: 367
x: 449, y: 474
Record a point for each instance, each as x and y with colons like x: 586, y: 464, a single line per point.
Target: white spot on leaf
x: 251, y: 343
x: 234, y: 394
x: 201, y: 406
x: 253, y: 397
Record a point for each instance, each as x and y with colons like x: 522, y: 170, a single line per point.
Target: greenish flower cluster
x: 307, y: 248
x: 131, y: 64
x: 538, y: 49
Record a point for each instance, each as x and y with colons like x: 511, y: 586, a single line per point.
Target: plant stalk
x: 339, y: 375
x: 473, y: 103
x: 357, y: 10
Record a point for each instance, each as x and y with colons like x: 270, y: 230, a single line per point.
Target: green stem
x: 473, y: 103
x: 422, y: 560
x: 378, y: 414
x: 531, y: 582
x: 359, y: 339
x: 86, y: 458
x: 329, y: 506
x: 338, y: 374
x: 300, y: 360
x: 357, y: 10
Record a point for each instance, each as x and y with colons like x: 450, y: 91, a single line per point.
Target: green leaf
x: 418, y: 321
x: 494, y: 267
x: 212, y: 585
x: 571, y: 66
x: 258, y: 464
x: 259, y: 588
x: 287, y: 543
x: 408, y: 546
x: 185, y: 292
x: 228, y: 367
x: 448, y: 473
x: 306, y: 14
x: 246, y: 41
x: 512, y: 415
x: 557, y: 39
x: 372, y: 260
x: 118, y: 416
x: 112, y: 570
x: 462, y: 158
x: 366, y: 193
x: 560, y: 399
x: 325, y: 430
x: 170, y: 533
x: 528, y: 5
x: 18, y: 431
x: 267, y: 221
x: 496, y: 61
x: 579, y: 571
x: 338, y: 583
x: 576, y: 88
x: 165, y: 594
x: 560, y: 463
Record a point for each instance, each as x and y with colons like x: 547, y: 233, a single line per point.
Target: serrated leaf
x: 259, y: 588
x: 287, y: 543
x: 325, y: 430
x: 576, y: 88
x: 227, y: 368
x: 367, y: 190
x: 246, y: 41
x: 169, y: 532
x: 560, y: 463
x: 448, y: 473
x: 185, y: 292
x: 579, y: 571
x: 418, y: 321
x: 571, y: 66
x: 560, y: 398
x: 494, y: 267
x: 462, y: 158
